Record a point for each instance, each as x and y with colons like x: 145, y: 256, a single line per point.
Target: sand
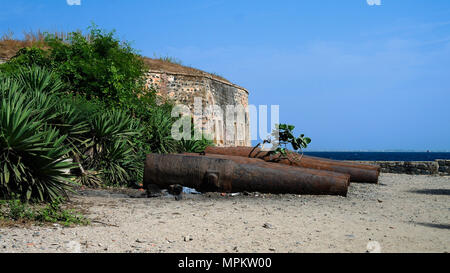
x: 404, y: 213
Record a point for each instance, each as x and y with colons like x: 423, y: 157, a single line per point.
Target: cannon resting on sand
x: 236, y: 170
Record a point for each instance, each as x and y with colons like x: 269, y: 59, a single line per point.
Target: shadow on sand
x: 440, y: 226
x: 432, y: 191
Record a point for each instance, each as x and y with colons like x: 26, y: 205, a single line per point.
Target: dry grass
x: 170, y: 66
x: 9, y: 45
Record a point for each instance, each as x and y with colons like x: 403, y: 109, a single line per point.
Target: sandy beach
x: 403, y: 213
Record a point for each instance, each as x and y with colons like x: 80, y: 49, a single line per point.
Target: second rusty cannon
x: 205, y: 174
x: 358, y: 172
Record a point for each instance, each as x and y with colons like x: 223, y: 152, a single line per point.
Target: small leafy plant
x: 54, y: 213
x: 16, y: 210
x: 282, y: 137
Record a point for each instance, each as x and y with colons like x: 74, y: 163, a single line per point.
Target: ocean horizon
x: 380, y: 155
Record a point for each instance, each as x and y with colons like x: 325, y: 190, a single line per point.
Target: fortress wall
x: 182, y: 88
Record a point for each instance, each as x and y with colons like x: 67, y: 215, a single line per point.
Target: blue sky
x: 349, y: 75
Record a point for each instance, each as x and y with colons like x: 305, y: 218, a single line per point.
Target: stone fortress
x: 182, y: 84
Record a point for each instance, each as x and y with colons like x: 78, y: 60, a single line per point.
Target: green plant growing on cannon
x: 282, y: 136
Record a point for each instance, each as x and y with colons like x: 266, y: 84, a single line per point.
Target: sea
x: 382, y: 156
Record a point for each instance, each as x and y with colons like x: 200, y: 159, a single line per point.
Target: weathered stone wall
x: 440, y: 166
x: 444, y: 166
x: 182, y: 88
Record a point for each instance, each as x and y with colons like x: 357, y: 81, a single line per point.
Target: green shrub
x: 26, y: 57
x: 54, y: 213
x: 33, y: 160
x: 17, y: 210
x: 97, y: 65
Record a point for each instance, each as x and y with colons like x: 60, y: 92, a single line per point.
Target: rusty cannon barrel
x: 264, y: 164
x: 207, y: 174
x: 358, y: 172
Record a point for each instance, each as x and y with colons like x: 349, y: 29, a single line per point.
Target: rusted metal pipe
x: 206, y: 174
x: 358, y: 172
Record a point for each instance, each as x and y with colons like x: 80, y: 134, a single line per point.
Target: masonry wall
x: 437, y: 167
x: 183, y: 88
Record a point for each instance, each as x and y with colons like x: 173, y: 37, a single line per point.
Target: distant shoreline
x: 375, y: 151
x: 381, y: 156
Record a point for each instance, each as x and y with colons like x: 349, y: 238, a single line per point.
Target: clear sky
x: 350, y: 75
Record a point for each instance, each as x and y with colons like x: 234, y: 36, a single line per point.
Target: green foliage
x: 32, y: 157
x: 97, y: 65
x: 15, y: 209
x: 194, y: 145
x: 286, y: 137
x: 90, y: 178
x: 112, y: 150
x: 158, y: 130
x: 69, y: 121
x: 54, y: 213
x: 37, y: 79
x: 44, y: 127
x: 283, y: 136
x: 26, y: 57
x: 80, y: 98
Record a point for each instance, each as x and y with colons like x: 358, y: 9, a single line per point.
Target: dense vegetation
x: 76, y: 110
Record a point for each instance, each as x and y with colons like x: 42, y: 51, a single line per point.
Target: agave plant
x: 100, y: 143
x: 70, y: 122
x: 33, y: 159
x: 194, y: 145
x: 39, y: 79
x: 120, y: 164
x: 110, y: 149
x: 158, y: 131
x: 110, y: 127
x: 90, y: 178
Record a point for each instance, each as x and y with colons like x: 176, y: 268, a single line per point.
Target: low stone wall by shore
x: 438, y: 167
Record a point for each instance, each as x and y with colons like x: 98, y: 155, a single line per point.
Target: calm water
x: 382, y: 156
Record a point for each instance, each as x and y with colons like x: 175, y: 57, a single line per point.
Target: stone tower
x: 183, y: 84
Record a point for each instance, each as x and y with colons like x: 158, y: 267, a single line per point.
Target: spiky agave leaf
x: 158, y: 131
x: 111, y: 150
x: 70, y: 122
x: 107, y: 128
x: 112, y: 124
x: 40, y: 79
x: 32, y: 157
x: 119, y: 163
